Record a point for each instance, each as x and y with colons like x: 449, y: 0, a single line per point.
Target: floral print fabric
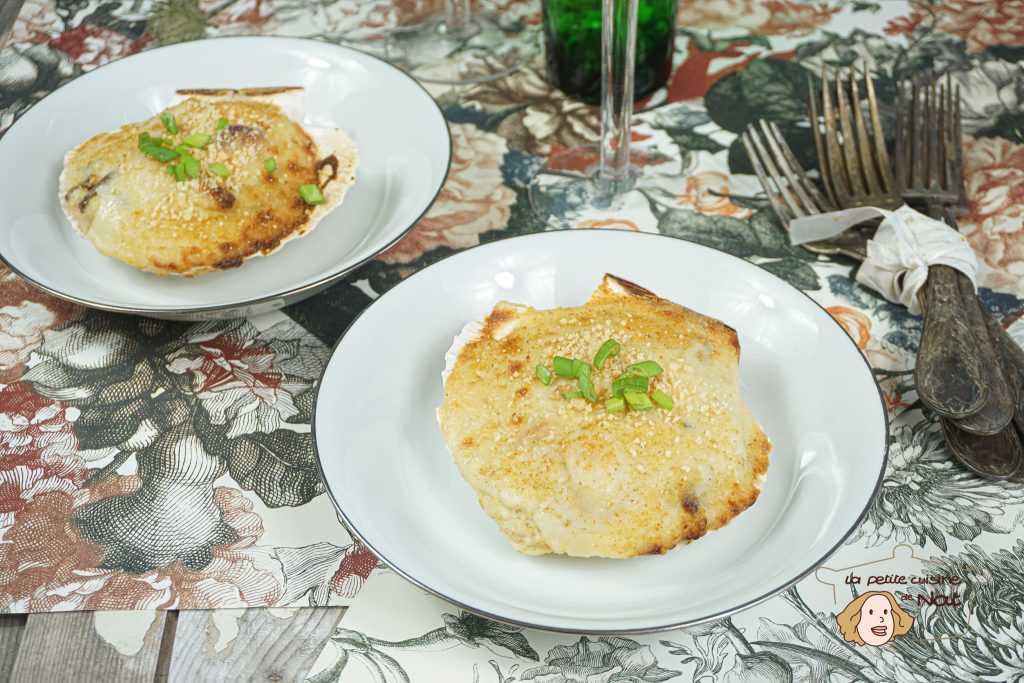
x: 152, y: 465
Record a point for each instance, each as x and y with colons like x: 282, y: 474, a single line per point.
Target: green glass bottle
x: 572, y: 42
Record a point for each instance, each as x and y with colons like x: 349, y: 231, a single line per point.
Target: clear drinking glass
x: 458, y: 45
x: 552, y: 196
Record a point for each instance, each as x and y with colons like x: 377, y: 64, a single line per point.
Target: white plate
x: 393, y: 481
x: 404, y: 146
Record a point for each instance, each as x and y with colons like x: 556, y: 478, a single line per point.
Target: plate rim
x: 288, y: 294
x: 814, y: 566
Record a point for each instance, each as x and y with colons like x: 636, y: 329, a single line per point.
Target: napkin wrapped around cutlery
x: 906, y: 243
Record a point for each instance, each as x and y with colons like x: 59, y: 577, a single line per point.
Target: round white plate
x: 393, y: 481
x: 404, y: 148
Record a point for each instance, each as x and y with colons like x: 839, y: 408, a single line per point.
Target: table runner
x: 81, y: 477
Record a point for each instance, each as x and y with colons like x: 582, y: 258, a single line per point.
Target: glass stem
x: 456, y: 16
x: 618, y: 67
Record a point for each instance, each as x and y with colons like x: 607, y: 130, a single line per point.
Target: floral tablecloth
x: 153, y: 465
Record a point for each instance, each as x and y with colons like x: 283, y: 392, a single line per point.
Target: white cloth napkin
x: 906, y: 243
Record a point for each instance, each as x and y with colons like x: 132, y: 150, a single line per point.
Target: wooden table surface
x: 179, y: 646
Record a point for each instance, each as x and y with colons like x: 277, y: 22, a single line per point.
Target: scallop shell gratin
x: 248, y: 155
x: 566, y: 475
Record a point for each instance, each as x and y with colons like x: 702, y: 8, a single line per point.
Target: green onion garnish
x: 191, y: 165
x: 564, y: 367
x: 182, y: 150
x: 221, y: 123
x: 582, y: 369
x: 587, y: 388
x: 270, y: 165
x: 167, y: 118
x: 219, y: 169
x: 311, y: 194
x: 626, y: 383
x: 147, y: 139
x: 638, y: 401
x: 543, y: 374
x: 647, y: 368
x: 608, y: 349
x: 179, y: 172
x: 572, y: 394
x: 616, y: 404
x: 198, y: 140
x: 161, y: 154
x: 663, y: 399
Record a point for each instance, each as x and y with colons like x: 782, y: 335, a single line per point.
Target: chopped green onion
x: 663, y: 399
x: 221, y: 123
x: 167, y: 118
x: 159, y: 153
x: 147, y: 139
x: 311, y: 194
x: 647, y: 368
x: 587, y: 388
x: 191, y: 165
x: 608, y: 349
x: 219, y: 169
x: 572, y: 394
x: 270, y: 164
x: 638, y: 401
x: 179, y: 172
x: 616, y: 404
x: 182, y: 150
x: 543, y: 374
x: 582, y: 369
x: 626, y: 383
x: 198, y: 140
x: 564, y: 367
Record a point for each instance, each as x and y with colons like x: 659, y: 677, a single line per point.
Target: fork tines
x: 789, y: 190
x: 928, y: 153
x: 854, y: 162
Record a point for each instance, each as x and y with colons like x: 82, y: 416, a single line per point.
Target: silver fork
x: 856, y: 171
x: 955, y: 334
x: 998, y: 456
x: 854, y: 166
x: 793, y: 195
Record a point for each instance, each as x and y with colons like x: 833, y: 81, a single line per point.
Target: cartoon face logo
x: 873, y: 619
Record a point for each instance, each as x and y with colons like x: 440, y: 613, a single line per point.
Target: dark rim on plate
x: 343, y: 518
x: 288, y: 294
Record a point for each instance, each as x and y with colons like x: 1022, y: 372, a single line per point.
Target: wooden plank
x: 11, y: 628
x: 163, y: 661
x: 66, y: 647
x: 8, y: 13
x: 270, y: 645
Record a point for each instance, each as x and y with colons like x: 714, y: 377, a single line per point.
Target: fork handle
x: 997, y: 411
x: 948, y: 371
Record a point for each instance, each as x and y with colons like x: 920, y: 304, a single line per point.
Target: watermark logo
x: 873, y: 619
x: 890, y: 592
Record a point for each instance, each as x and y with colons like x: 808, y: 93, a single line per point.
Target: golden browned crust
x: 569, y: 477
x: 148, y: 220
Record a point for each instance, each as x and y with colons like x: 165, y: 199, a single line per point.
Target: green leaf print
x: 760, y: 235
x: 1008, y: 125
x: 689, y: 139
x: 773, y: 89
x: 795, y: 272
